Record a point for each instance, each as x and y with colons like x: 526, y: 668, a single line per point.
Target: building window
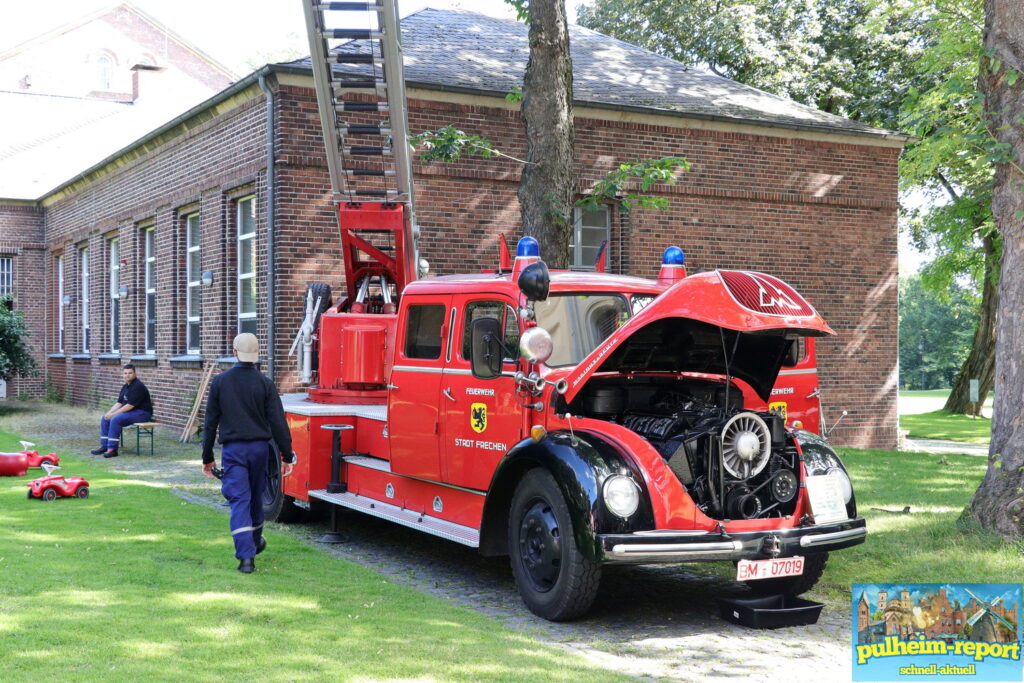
x: 84, y: 260
x: 104, y: 72
x: 150, y: 284
x: 247, y: 265
x: 590, y: 229
x: 115, y: 292
x: 193, y: 278
x: 7, y: 282
x: 60, y: 304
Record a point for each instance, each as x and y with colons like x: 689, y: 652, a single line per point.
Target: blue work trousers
x: 245, y: 479
x: 110, y: 430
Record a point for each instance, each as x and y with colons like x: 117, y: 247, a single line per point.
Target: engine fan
x: 746, y: 445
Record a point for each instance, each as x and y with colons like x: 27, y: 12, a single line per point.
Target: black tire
x: 49, y: 495
x: 45, y: 461
x: 814, y: 567
x: 554, y: 579
x: 278, y: 507
x: 30, y: 496
x: 82, y: 492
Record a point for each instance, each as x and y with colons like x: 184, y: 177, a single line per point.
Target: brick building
x: 236, y: 189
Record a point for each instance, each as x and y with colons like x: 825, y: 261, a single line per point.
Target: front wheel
x: 49, y: 494
x: 814, y: 567
x: 555, y: 580
x: 44, y: 462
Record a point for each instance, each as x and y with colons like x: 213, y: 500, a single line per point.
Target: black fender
x: 580, y: 463
x: 819, y: 457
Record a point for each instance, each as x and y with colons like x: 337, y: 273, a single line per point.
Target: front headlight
x: 844, y: 482
x: 621, y: 495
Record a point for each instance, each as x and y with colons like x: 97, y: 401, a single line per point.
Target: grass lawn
x: 926, y: 545
x: 941, y: 424
x: 135, y: 584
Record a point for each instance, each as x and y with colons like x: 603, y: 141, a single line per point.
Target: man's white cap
x: 247, y: 347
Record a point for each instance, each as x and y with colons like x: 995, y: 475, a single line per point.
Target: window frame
x: 242, y: 279
x: 408, y: 329
x: 193, y: 318
x: 576, y: 240
x: 60, y: 303
x: 508, y: 315
x: 114, y: 287
x: 149, y: 288
x: 84, y: 274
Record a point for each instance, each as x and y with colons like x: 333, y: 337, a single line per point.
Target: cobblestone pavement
x: 657, y: 622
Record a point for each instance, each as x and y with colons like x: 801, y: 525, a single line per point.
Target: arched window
x: 104, y: 72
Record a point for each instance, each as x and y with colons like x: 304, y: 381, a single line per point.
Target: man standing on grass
x: 246, y: 407
x: 133, y: 405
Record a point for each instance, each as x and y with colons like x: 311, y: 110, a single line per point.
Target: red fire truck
x: 567, y: 420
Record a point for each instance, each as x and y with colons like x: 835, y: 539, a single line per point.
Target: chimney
x: 136, y: 70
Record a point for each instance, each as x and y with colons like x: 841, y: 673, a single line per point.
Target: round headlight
x: 536, y: 345
x: 621, y: 495
x: 844, y: 482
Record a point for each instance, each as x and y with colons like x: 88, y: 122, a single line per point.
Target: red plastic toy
x: 37, y: 460
x: 53, y: 485
x: 13, y: 464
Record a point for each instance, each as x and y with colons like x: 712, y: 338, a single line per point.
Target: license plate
x: 752, y: 570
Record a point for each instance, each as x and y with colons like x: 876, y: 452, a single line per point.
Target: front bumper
x: 666, y: 545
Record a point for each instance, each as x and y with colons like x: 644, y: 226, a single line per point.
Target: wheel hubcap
x: 540, y: 547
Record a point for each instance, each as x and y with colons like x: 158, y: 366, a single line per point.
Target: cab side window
x: 490, y: 309
x: 423, y: 331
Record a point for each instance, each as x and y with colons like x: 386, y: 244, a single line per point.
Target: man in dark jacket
x: 133, y: 405
x: 246, y: 407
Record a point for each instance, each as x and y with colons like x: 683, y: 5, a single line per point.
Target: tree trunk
x: 980, y: 364
x: 998, y: 503
x: 546, y: 187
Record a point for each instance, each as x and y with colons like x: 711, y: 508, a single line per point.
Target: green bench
x: 142, y: 429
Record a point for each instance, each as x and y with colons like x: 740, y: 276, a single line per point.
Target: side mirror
x: 534, y: 281
x: 486, y: 349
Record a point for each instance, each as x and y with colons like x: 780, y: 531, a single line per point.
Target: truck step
x: 368, y: 461
x: 414, y: 520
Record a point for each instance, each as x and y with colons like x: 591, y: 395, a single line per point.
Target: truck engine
x: 734, y: 463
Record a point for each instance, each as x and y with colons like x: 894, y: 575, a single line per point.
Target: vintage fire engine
x: 564, y: 419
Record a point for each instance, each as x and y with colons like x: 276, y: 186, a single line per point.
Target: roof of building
x: 467, y: 51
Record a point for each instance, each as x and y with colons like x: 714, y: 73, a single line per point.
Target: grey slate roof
x: 466, y: 51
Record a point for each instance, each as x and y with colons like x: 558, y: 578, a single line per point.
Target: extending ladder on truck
x: 360, y: 90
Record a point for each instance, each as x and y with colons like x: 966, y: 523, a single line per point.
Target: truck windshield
x: 579, y: 322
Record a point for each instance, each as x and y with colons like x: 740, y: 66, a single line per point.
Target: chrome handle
x: 448, y: 394
x: 392, y: 386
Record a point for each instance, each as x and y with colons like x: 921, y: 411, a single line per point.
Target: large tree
x: 999, y: 502
x: 546, y: 190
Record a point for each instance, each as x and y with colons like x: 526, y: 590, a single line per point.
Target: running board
x: 410, y: 518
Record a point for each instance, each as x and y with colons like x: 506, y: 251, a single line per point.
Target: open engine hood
x: 721, y: 322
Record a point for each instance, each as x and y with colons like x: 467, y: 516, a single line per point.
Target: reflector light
x: 537, y: 432
x: 673, y: 256
x: 527, y: 247
x: 765, y: 294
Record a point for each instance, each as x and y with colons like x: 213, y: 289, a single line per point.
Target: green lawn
x: 942, y: 424
x: 135, y: 584
x: 927, y: 545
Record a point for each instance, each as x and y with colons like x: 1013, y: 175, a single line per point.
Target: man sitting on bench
x: 133, y: 405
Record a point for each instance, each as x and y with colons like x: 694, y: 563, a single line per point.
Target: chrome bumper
x: 701, y: 546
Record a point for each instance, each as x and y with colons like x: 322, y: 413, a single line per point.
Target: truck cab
x: 572, y: 420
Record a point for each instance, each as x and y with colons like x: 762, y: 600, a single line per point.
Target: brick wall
x: 820, y: 214
x: 21, y: 239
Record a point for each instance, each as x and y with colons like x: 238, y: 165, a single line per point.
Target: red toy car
x: 53, y: 485
x: 36, y: 460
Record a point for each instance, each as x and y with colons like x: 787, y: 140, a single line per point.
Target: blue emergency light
x: 674, y: 256
x: 527, y: 247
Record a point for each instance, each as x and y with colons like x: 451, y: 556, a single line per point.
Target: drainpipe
x: 271, y: 347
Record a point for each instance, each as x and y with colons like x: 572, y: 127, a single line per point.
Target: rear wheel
x: 555, y: 580
x: 278, y: 507
x: 44, y: 462
x: 49, y: 494
x: 82, y: 492
x: 814, y: 567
